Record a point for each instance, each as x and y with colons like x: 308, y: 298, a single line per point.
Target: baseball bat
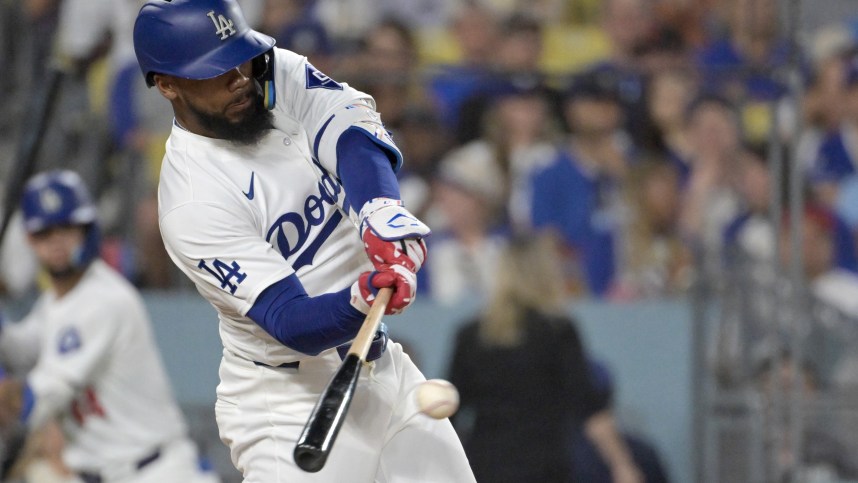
x: 320, y: 432
x: 34, y: 127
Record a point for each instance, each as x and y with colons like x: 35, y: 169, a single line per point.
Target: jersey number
x: 225, y: 273
x: 86, y: 405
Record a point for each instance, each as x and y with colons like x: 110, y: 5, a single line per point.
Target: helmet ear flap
x: 263, y: 72
x: 91, y: 247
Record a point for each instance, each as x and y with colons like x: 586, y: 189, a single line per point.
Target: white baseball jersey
x: 99, y: 370
x: 238, y: 219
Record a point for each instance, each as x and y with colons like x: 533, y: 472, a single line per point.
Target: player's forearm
x: 303, y: 323
x: 365, y: 168
x: 15, y: 401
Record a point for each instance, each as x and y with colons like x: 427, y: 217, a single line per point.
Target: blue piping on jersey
x: 303, y: 323
x: 319, y: 137
x: 29, y: 401
x: 366, y: 169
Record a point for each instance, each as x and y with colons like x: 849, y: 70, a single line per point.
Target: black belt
x: 141, y: 463
x: 287, y: 365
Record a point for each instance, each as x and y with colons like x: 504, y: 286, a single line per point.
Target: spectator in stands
x: 579, y: 193
x: 294, y: 26
x: 830, y: 283
x: 348, y: 22
x: 751, y: 231
x: 519, y: 127
x: 423, y: 142
x: 477, y: 33
x: 629, y: 26
x: 669, y: 94
x: 830, y: 52
x: 710, y: 200
x: 467, y: 241
x: 523, y: 355
x: 654, y: 259
x: 516, y: 63
x: 837, y: 154
x: 386, y: 69
x: 692, y: 21
x: 741, y: 65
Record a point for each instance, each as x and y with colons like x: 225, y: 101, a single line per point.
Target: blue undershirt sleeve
x: 303, y: 323
x: 366, y: 168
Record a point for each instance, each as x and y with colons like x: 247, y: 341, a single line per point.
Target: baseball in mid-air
x: 437, y: 398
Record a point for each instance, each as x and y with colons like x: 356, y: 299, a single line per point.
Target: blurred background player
x: 278, y: 199
x: 89, y: 354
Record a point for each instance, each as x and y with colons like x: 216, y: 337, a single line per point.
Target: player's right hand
x: 402, y: 280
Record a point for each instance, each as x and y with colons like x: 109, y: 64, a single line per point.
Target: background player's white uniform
x: 98, y: 368
x: 238, y: 219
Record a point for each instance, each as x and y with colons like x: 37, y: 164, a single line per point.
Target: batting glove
x: 392, y: 235
x: 402, y: 280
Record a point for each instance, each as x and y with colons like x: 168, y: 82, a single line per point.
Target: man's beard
x: 246, y: 132
x: 67, y: 272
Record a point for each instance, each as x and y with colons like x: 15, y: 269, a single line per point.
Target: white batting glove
x: 392, y: 235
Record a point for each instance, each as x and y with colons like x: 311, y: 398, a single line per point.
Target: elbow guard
x: 359, y: 116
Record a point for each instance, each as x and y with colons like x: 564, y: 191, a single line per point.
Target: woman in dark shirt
x: 523, y: 379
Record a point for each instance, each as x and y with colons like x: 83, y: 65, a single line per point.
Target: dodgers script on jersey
x: 97, y: 351
x: 237, y: 219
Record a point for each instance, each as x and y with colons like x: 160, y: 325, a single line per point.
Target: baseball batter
x: 96, y: 363
x: 278, y: 198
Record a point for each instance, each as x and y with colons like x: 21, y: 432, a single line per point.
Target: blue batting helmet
x: 194, y: 39
x: 60, y: 198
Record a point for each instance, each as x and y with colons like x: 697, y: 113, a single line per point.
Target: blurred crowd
x: 650, y: 143
x: 640, y: 133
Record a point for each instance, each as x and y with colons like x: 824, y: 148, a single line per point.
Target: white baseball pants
x: 261, y: 412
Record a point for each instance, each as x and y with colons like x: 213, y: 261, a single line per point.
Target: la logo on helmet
x: 225, y: 27
x: 50, y: 201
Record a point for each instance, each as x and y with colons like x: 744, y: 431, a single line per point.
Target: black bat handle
x: 314, y: 445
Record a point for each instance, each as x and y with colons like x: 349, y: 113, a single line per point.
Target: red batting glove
x: 392, y: 235
x: 402, y: 280
x: 409, y: 253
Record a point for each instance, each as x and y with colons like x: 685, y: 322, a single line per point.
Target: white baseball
x: 437, y: 398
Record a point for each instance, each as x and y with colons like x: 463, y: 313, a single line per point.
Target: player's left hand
x: 392, y: 235
x: 402, y: 280
x: 10, y: 401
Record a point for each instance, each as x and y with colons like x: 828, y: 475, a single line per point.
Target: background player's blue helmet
x: 194, y: 39
x: 60, y: 198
